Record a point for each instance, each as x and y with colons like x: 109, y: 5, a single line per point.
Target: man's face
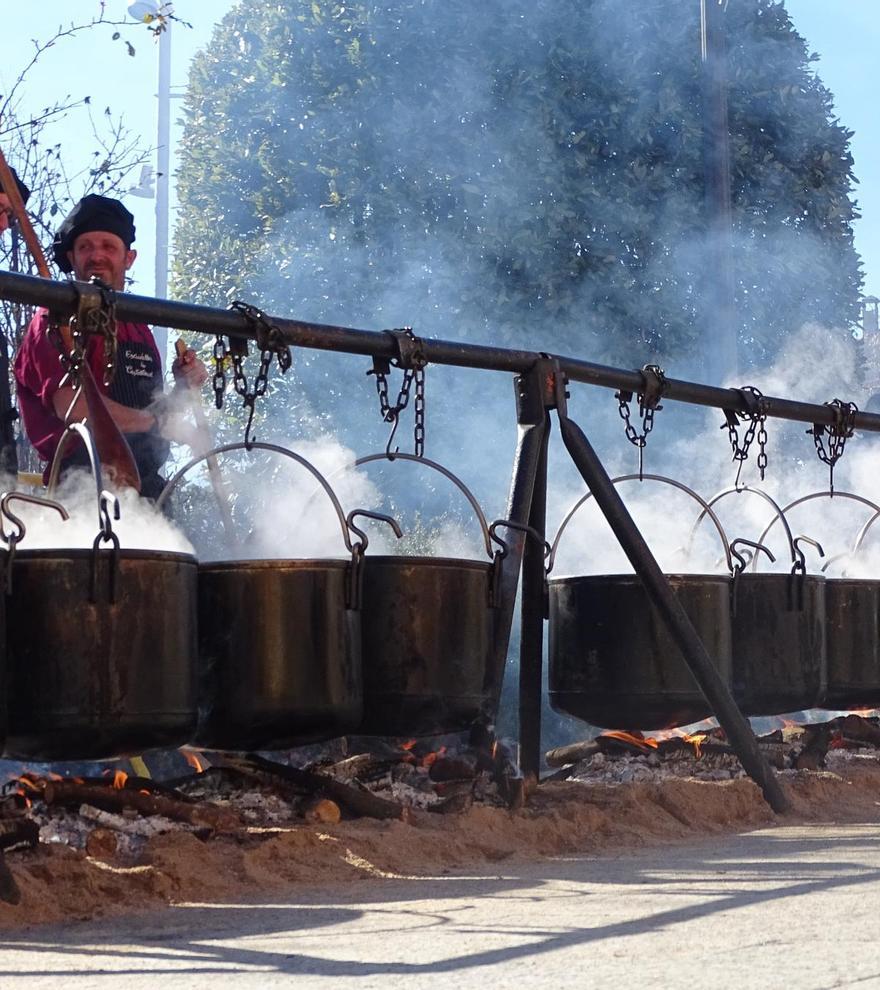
x: 5, y: 213
x: 101, y: 253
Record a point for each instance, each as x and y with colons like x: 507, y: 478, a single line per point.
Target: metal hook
x: 6, y: 513
x: 379, y: 516
x: 757, y: 547
x: 394, y: 418
x: 108, y: 499
x: 801, y: 563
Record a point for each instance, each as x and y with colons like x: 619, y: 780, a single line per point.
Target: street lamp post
x: 719, y: 307
x: 146, y: 11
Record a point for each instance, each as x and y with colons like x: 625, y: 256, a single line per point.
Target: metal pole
x: 533, y: 424
x: 163, y: 177
x: 61, y: 297
x: 735, y: 725
x: 531, y: 646
x: 718, y: 295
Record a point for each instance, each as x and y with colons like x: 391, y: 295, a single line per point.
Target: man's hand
x: 188, y: 370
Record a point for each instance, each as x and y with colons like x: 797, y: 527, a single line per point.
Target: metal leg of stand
x: 534, y: 424
x: 735, y: 725
x: 531, y: 648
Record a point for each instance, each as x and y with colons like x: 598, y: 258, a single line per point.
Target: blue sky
x: 845, y: 33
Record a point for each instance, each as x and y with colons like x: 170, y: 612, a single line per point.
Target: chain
x: 838, y: 433
x: 220, y: 355
x: 649, y: 404
x: 756, y: 414
x: 419, y: 427
x: 271, y: 344
x: 413, y: 362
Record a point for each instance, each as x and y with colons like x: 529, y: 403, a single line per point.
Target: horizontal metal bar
x: 60, y: 297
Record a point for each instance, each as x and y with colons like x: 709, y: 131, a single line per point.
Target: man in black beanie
x: 95, y: 240
x: 6, y: 216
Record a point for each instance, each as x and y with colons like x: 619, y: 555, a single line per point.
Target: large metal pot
x: 778, y: 625
x: 101, y: 649
x: 612, y: 661
x: 428, y: 635
x: 852, y: 618
x: 279, y: 641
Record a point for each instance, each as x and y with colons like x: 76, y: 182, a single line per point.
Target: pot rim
x: 83, y: 553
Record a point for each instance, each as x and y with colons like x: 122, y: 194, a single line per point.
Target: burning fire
x: 647, y: 743
x: 193, y: 760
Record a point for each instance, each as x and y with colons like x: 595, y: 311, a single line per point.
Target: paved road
x: 794, y: 908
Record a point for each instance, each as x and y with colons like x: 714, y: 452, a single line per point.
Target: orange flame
x: 193, y: 760
x: 119, y: 779
x: 408, y: 745
x: 431, y: 758
x: 639, y: 741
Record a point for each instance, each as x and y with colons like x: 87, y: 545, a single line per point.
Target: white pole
x: 163, y: 176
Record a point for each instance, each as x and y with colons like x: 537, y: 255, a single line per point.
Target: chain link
x: 271, y: 344
x: 220, y: 355
x: 413, y: 362
x: 649, y: 404
x: 756, y: 415
x: 838, y: 433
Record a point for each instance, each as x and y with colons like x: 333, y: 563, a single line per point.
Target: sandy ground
x: 787, y: 906
x: 59, y: 884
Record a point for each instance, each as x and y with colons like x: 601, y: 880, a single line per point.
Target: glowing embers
x: 620, y: 757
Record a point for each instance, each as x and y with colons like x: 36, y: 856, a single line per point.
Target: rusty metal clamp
x: 95, y: 316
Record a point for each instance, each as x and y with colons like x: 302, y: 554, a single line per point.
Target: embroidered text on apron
x: 138, y: 380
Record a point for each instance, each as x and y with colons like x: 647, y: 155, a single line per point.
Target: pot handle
x: 863, y: 532
x: 707, y: 511
x: 13, y: 539
x: 171, y: 484
x: 828, y: 494
x: 361, y: 535
x: 780, y: 514
x: 742, y: 563
x: 459, y: 484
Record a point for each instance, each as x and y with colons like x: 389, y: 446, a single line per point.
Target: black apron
x: 138, y: 380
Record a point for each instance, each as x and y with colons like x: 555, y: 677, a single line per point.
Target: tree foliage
x: 511, y: 172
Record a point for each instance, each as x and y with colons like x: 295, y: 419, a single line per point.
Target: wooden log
x: 322, y: 810
x: 358, y: 801
x: 574, y: 753
x: 110, y: 799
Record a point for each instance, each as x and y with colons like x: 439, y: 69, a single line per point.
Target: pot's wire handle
x: 800, y: 565
x: 706, y: 507
x: 275, y: 449
x: 459, y: 484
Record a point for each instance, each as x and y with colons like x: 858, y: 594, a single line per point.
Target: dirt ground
x: 59, y: 883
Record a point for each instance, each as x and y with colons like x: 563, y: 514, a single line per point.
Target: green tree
x: 510, y: 172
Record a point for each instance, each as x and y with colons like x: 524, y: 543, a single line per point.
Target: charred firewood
x: 860, y: 728
x: 355, y: 799
x: 446, y: 768
x: 811, y: 755
x: 110, y: 799
x: 574, y: 753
